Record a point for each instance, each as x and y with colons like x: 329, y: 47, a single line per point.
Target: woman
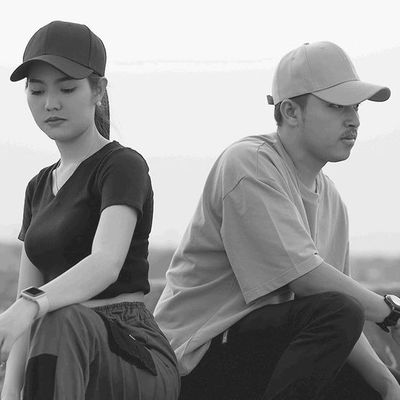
x: 79, y: 328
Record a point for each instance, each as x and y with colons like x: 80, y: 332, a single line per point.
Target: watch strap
x: 392, y: 318
x: 42, y: 301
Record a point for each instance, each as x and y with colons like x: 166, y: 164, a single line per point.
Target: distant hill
x: 380, y: 274
x: 376, y: 245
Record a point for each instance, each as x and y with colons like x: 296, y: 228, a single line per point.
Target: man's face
x: 328, y: 131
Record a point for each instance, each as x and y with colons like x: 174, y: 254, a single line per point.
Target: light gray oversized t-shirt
x: 256, y: 228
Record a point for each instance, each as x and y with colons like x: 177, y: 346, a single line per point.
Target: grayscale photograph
x: 200, y: 200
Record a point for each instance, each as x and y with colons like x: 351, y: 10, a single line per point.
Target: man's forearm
x: 365, y: 360
x: 326, y: 278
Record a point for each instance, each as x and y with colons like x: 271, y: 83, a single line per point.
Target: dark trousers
x: 293, y: 350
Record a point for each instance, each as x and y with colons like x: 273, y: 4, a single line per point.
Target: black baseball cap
x: 71, y: 48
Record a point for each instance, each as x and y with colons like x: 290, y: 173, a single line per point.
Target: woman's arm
x: 29, y: 275
x: 101, y: 268
x: 83, y: 281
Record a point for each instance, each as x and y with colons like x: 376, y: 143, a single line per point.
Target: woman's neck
x: 75, y: 151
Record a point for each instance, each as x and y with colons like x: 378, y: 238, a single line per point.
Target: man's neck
x: 307, y: 167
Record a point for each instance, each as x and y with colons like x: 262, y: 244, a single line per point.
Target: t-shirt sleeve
x: 124, y: 180
x: 346, y: 266
x: 266, y: 241
x: 27, y: 215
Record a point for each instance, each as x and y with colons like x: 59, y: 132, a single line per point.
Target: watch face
x: 34, y: 291
x: 394, y: 299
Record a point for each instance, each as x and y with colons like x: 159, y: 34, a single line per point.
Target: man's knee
x: 345, y: 313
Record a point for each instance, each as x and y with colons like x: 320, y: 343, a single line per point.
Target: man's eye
x: 356, y: 106
x: 338, y: 106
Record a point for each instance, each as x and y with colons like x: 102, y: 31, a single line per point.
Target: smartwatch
x: 391, y: 320
x: 39, y: 297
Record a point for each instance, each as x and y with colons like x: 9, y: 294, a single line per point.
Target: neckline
x: 55, y: 165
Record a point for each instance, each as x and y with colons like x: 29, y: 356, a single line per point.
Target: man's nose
x: 353, y: 119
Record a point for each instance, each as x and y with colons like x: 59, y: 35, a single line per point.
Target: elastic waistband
x: 123, y: 306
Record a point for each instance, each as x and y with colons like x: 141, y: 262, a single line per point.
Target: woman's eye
x: 68, y: 90
x: 36, y: 92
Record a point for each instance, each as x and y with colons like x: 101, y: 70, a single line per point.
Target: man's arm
x: 326, y: 278
x: 364, y: 359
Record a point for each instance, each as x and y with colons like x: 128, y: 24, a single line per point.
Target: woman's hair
x: 102, y: 112
x: 300, y: 100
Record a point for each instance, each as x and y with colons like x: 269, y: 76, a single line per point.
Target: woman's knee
x: 64, y: 314
x: 65, y: 320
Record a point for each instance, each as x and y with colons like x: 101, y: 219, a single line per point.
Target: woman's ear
x: 291, y: 112
x: 100, y: 90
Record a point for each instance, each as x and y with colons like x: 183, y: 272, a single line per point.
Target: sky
x: 211, y: 41
x: 207, y: 30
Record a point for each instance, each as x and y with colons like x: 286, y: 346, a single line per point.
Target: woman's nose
x: 52, y: 103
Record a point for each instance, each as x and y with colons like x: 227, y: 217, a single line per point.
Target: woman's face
x: 62, y: 107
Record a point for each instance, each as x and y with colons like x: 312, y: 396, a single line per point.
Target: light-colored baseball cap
x: 326, y: 71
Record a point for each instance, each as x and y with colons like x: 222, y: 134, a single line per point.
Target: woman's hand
x: 10, y: 396
x: 13, y: 323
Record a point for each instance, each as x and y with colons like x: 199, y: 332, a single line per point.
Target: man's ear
x: 100, y: 89
x: 291, y: 112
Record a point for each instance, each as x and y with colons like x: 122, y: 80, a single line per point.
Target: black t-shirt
x: 58, y: 231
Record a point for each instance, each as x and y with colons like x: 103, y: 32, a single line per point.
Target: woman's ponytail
x: 102, y: 112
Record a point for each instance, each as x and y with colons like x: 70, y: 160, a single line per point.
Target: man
x: 258, y: 302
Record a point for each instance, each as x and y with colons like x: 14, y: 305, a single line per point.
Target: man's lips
x: 349, y: 136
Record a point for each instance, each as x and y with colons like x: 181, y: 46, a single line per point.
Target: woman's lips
x: 54, y: 121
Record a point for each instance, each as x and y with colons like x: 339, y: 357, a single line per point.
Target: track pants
x: 111, y: 352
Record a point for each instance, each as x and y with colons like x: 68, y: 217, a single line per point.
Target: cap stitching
x: 337, y: 84
x: 46, y: 40
x: 309, y: 67
x: 88, y: 63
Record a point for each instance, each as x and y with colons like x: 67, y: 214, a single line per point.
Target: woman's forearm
x: 83, y: 281
x: 14, y: 376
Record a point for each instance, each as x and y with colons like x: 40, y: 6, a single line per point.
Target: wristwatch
x: 394, y: 303
x: 39, y: 297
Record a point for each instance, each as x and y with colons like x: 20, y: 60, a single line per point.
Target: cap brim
x: 353, y: 92
x: 68, y: 67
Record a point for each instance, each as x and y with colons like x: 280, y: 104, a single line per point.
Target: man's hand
x: 395, y: 331
x: 393, y: 393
